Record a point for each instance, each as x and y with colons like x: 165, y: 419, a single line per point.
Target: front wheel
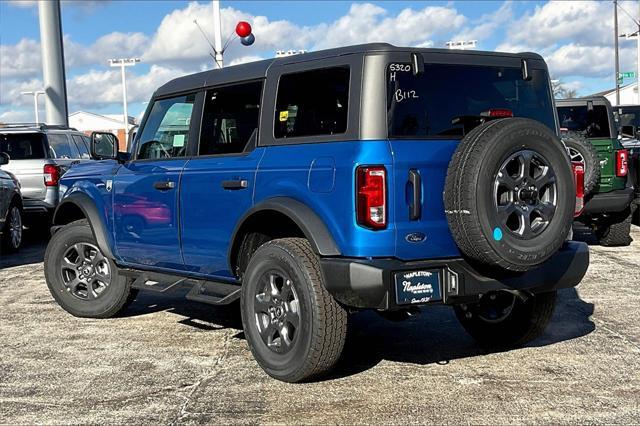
x: 80, y: 278
x: 502, y: 319
x: 294, y: 327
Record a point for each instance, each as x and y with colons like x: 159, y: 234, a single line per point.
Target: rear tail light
x: 622, y: 163
x: 578, y: 177
x: 497, y: 112
x: 51, y: 175
x: 371, y: 193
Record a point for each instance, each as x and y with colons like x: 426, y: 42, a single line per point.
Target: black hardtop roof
x: 258, y: 69
x: 583, y: 101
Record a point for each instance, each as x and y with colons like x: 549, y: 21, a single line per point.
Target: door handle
x: 235, y: 184
x: 415, y: 207
x: 164, y: 185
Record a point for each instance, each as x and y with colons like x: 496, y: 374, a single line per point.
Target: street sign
x: 630, y: 74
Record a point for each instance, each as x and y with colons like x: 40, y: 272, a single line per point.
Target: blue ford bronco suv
x: 308, y: 187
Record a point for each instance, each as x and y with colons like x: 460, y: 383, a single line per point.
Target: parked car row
x: 34, y: 157
x: 589, y: 131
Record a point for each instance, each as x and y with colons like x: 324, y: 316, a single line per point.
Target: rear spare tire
x: 509, y: 194
x: 580, y: 149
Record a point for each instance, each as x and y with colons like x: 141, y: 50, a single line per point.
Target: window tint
x: 166, y: 132
x: 312, y: 103
x: 61, y: 147
x: 230, y: 118
x: 83, y: 149
x: 449, y: 100
x: 23, y: 146
x: 593, y: 123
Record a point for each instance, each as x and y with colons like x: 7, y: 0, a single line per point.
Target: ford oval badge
x: 415, y: 237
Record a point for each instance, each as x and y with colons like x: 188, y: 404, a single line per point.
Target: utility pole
x: 35, y: 94
x: 122, y: 63
x: 53, y: 62
x: 217, y: 33
x: 615, y: 33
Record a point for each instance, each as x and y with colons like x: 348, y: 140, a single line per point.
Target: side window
x: 312, y: 103
x: 166, y: 132
x: 82, y: 147
x: 230, y: 118
x: 61, y: 147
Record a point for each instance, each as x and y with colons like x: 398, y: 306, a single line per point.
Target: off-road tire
x: 616, y: 234
x: 7, y: 244
x: 323, y: 322
x: 526, y: 321
x: 117, y: 296
x: 469, y: 194
x: 587, y: 154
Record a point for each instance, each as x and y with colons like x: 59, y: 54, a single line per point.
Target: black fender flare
x: 85, y: 203
x: 302, y: 215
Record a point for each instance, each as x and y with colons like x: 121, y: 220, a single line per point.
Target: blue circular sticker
x: 497, y: 234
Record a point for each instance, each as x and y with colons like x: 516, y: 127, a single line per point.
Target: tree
x: 561, y: 91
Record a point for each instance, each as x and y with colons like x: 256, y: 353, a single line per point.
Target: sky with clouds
x: 575, y: 37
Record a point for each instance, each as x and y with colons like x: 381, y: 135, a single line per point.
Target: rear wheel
x: 616, y: 233
x: 294, y: 327
x: 80, y: 278
x: 503, y: 319
x: 12, y: 232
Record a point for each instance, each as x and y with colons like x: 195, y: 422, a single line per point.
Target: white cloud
x: 487, y: 24
x: 21, y: 59
x: 16, y: 116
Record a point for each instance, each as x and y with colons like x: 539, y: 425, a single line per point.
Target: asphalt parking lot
x: 170, y: 361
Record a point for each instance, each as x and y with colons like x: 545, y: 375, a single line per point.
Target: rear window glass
x: 449, y: 100
x: 312, y: 103
x: 22, y: 146
x: 594, y: 123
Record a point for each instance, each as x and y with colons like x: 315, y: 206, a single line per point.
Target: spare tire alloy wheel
x: 509, y: 194
x: 525, y: 194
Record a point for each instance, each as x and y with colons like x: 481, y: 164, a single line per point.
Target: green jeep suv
x: 590, y: 134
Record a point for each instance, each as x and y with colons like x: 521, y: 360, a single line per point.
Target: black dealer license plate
x: 415, y: 287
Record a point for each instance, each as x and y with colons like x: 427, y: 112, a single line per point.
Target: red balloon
x: 243, y: 29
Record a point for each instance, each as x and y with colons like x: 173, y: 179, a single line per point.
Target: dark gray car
x: 10, y: 209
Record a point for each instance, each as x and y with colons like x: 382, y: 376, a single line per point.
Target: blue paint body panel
x: 189, y: 227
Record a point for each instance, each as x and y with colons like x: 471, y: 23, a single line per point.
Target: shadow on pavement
x: 434, y: 336
x: 32, y: 250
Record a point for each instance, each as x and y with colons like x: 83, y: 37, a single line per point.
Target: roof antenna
x: 215, y: 52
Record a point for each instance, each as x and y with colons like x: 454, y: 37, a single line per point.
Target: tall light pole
x: 35, y: 94
x: 122, y: 63
x: 53, y: 62
x: 217, y: 33
x: 635, y: 35
x: 615, y: 35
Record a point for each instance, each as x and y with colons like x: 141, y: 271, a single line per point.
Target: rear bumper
x: 609, y: 202
x: 366, y: 284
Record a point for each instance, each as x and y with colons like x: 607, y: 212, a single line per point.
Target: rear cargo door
x: 419, y: 172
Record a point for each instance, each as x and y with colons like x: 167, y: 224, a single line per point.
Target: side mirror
x: 4, y: 158
x: 104, y: 146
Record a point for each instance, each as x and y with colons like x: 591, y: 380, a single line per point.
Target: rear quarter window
x: 60, y: 146
x: 23, y: 146
x: 312, y: 103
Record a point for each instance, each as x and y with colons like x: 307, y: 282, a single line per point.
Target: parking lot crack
x: 184, y: 412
